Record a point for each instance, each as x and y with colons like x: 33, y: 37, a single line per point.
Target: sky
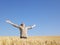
x: 44, y: 13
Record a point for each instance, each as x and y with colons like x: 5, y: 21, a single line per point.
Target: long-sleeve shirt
x: 23, y: 29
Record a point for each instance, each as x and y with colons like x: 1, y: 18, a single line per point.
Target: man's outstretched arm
x: 15, y: 25
x: 30, y: 27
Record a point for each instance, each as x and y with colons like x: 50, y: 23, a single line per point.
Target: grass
x: 33, y: 40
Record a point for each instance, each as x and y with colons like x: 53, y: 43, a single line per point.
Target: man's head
x: 22, y: 24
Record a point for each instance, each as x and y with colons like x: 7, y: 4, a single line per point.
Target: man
x: 22, y: 28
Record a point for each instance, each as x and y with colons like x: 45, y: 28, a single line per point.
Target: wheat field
x: 33, y: 40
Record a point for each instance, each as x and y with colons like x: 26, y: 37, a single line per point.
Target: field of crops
x: 33, y: 40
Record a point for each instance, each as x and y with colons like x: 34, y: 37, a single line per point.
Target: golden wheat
x: 34, y: 40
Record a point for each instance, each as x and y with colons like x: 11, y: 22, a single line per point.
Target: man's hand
x: 33, y: 26
x: 8, y: 21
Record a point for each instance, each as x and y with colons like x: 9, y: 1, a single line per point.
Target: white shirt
x: 23, y: 29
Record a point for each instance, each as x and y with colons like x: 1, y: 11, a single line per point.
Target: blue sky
x: 44, y: 13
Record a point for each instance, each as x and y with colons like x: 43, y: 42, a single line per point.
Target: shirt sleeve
x: 30, y: 27
x: 15, y: 25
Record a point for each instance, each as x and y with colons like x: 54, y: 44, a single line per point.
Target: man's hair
x: 21, y: 24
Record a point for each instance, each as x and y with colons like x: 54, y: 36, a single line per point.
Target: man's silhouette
x: 22, y: 28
